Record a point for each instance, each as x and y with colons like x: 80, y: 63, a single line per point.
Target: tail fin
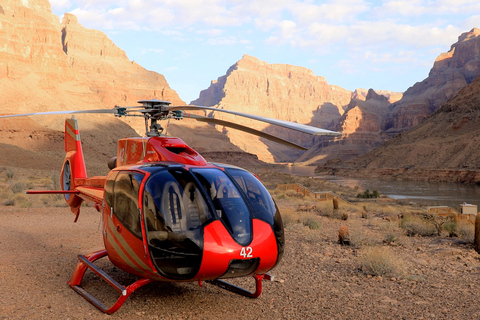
x: 73, y: 165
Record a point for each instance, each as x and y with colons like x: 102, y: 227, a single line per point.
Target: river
x: 430, y: 193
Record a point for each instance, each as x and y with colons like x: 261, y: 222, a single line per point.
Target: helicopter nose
x: 223, y: 257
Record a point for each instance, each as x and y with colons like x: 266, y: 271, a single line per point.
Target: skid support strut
x: 87, y: 262
x: 242, y: 291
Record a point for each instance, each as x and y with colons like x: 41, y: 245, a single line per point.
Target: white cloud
x: 210, y: 32
x: 61, y: 4
x: 227, y: 41
x: 321, y: 26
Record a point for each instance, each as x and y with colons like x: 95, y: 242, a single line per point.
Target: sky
x: 384, y: 45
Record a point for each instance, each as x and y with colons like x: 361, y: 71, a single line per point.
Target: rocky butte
x: 277, y: 91
x: 296, y: 94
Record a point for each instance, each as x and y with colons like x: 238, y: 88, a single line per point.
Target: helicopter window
x: 109, y: 188
x: 229, y: 204
x: 126, y: 190
x: 256, y: 193
x: 174, y: 202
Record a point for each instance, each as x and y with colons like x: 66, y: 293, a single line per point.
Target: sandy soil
x: 317, y: 279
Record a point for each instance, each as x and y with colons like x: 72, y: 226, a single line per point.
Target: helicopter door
x: 125, y: 201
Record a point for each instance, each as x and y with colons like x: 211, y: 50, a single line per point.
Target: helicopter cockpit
x: 177, y: 203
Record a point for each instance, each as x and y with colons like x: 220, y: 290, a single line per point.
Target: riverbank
x: 467, y: 176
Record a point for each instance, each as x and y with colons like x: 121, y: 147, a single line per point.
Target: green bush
x: 368, y: 195
x: 451, y: 228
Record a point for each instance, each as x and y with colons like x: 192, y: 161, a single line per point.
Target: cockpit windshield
x: 230, y: 206
x: 177, y: 203
x: 174, y: 211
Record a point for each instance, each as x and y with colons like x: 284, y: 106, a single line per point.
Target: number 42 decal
x: 246, y: 252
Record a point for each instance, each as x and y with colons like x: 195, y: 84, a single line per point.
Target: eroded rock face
x: 277, y: 91
x: 361, y: 130
x: 46, y: 65
x: 106, y: 67
x: 442, y: 148
x: 451, y: 72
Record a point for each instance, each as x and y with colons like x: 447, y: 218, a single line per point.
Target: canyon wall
x: 277, y: 91
x: 48, y: 65
x: 444, y: 147
x: 451, y: 72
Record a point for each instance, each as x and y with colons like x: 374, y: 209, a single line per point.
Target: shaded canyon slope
x: 367, y: 124
x: 361, y: 130
x: 48, y: 65
x: 444, y: 147
x: 451, y: 72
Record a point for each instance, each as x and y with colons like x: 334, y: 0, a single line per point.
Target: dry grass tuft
x: 380, y: 261
x: 416, y: 226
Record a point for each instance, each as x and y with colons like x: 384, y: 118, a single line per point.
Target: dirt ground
x: 317, y: 278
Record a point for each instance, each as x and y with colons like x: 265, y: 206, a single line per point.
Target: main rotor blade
x: 286, y: 124
x: 245, y: 129
x: 59, y: 112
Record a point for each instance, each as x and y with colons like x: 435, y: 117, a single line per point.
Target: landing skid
x: 87, y: 262
x: 242, y: 291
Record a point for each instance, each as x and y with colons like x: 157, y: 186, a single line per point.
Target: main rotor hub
x: 155, y: 110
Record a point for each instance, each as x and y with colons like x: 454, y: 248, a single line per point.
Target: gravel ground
x: 438, y: 277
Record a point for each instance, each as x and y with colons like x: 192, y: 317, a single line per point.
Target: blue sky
x: 384, y: 45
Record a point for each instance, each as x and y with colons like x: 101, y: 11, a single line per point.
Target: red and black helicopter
x: 167, y: 213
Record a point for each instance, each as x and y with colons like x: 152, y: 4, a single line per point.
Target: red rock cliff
x: 451, y: 72
x: 278, y: 91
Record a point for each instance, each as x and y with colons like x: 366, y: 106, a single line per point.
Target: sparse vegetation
x: 368, y: 195
x: 380, y: 261
x: 9, y: 173
x: 416, y: 226
x: 18, y: 187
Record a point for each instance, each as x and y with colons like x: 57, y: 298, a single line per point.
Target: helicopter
x: 168, y: 214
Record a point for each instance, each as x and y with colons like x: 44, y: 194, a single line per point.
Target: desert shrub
x: 9, y: 202
x: 451, y: 228
x: 390, y: 239
x: 288, y: 219
x: 379, y: 261
x: 310, y: 222
x: 10, y: 174
x: 466, y: 231
x: 18, y: 187
x: 416, y: 226
x: 22, y: 201
x: 343, y: 235
x: 437, y: 221
x: 368, y: 195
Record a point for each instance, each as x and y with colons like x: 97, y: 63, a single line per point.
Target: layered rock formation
x: 46, y: 65
x: 278, y: 91
x: 66, y: 65
x: 451, y: 72
x: 443, y: 148
x: 360, y: 126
